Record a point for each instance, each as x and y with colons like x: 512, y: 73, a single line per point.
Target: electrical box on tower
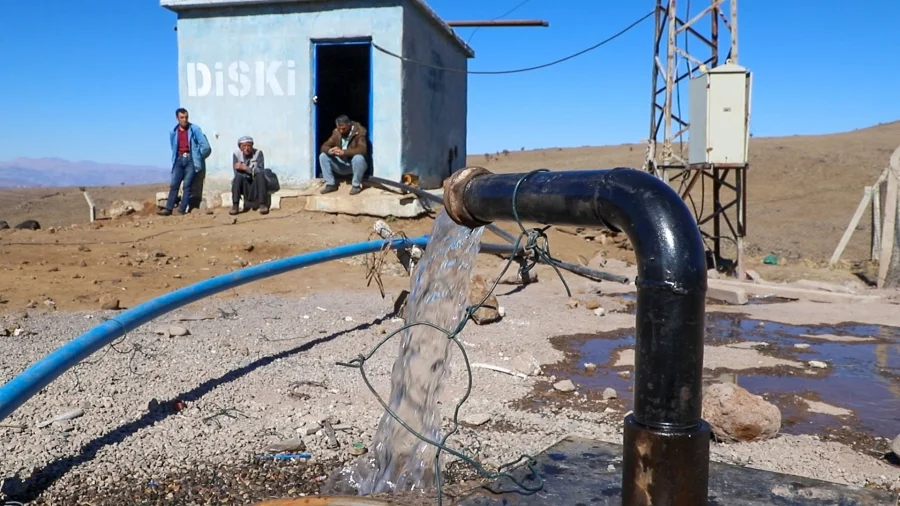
x: 719, y: 103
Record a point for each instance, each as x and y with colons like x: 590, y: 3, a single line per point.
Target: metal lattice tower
x: 688, y: 40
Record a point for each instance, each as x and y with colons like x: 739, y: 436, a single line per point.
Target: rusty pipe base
x: 665, y: 468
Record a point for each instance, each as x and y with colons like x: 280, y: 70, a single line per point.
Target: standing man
x: 190, y: 149
x: 344, y: 153
x: 249, y: 178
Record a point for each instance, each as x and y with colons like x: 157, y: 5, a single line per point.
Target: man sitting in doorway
x: 249, y: 178
x: 344, y: 153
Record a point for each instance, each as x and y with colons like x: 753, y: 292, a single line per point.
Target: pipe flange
x: 454, y: 196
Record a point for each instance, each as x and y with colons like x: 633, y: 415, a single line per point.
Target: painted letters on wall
x: 260, y: 78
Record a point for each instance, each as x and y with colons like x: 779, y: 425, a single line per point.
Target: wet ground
x: 855, y: 398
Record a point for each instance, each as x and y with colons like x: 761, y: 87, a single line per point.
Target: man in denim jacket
x: 190, y: 149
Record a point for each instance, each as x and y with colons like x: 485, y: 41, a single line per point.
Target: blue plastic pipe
x: 32, y: 380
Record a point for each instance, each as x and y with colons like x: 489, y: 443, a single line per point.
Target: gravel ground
x: 162, y: 412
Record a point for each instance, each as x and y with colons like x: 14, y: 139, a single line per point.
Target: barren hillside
x: 802, y: 189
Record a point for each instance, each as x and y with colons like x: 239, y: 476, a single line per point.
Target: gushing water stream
x: 439, y: 294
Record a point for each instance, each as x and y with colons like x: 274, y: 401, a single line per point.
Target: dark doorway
x: 343, y: 85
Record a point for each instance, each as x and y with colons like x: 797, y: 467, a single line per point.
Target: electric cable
x: 521, y: 70
x: 507, y: 13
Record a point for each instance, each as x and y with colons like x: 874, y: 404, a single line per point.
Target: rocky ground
x: 186, y: 409
x: 181, y: 410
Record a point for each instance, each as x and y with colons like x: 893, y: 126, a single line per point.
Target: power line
x: 507, y: 13
x: 518, y: 71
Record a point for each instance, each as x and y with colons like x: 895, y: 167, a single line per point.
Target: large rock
x: 525, y: 363
x: 121, y: 208
x: 737, y: 415
x: 489, y: 312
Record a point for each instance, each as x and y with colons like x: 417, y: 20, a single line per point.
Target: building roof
x: 422, y: 5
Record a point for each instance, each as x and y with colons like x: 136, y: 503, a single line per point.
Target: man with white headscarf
x: 249, y: 178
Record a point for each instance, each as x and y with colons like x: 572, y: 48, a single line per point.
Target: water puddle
x: 859, y: 388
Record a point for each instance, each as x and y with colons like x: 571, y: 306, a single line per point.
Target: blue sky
x: 97, y: 79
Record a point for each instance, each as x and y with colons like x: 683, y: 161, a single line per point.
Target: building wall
x: 434, y: 102
x: 247, y: 71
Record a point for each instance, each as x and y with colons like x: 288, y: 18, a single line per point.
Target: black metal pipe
x: 586, y: 272
x: 666, y: 451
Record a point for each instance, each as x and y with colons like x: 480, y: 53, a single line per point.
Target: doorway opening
x: 342, y: 73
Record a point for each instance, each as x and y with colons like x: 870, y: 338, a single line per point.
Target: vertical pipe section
x: 666, y: 454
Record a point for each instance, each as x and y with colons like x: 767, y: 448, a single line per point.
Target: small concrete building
x: 281, y: 71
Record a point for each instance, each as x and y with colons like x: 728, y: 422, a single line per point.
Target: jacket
x: 200, y: 149
x: 256, y: 164
x: 356, y: 146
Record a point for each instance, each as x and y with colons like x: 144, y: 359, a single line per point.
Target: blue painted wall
x: 247, y: 71
x: 434, y: 101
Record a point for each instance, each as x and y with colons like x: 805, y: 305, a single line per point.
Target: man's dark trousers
x: 254, y: 189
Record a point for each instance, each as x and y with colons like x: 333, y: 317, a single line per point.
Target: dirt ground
x: 802, y: 193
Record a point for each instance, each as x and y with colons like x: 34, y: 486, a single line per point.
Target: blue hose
x: 31, y: 381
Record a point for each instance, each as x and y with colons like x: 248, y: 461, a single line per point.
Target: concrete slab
x: 371, y: 202
x: 584, y: 471
x: 729, y: 295
x: 791, y: 292
x: 275, y: 200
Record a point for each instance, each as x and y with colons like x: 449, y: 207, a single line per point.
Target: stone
x: 613, y: 304
x: 801, y: 346
x: 818, y: 364
x: 489, y: 312
x: 753, y: 275
x: 109, y: 302
x: 517, y: 278
x: 592, y: 305
x: 525, y: 363
x: 895, y: 446
x: 599, y: 311
x: 609, y: 393
x: 737, y: 415
x: 357, y: 449
x: 476, y: 419
x: 589, y: 367
x: 291, y: 445
x: 564, y: 386
x: 572, y: 303
x: 178, y: 331
x: 121, y: 208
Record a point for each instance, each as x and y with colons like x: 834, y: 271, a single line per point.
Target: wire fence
x: 537, y: 250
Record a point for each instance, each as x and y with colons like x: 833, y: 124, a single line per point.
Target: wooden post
x: 92, y: 209
x: 860, y: 209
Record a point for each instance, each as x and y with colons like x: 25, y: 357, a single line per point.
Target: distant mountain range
x: 35, y: 172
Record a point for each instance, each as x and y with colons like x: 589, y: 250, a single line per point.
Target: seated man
x: 249, y: 178
x: 344, y: 153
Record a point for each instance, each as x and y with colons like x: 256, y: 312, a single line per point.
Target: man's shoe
x: 331, y: 188
x: 234, y: 210
x: 164, y: 212
x: 263, y: 209
x: 355, y: 190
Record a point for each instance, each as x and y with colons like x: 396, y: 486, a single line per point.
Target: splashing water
x: 439, y: 294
